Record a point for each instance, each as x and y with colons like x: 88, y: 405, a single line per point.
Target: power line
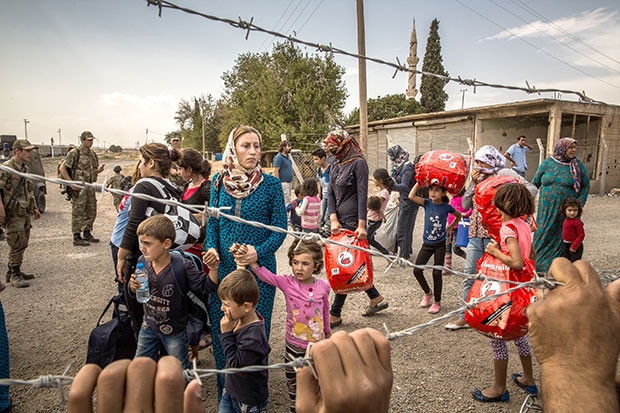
x: 290, y: 27
x: 287, y: 20
x: 311, y: 14
x: 276, y: 25
x: 536, y: 47
x: 560, y: 29
x: 552, y: 37
x: 398, y: 67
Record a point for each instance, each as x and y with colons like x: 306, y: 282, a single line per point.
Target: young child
x: 310, y: 207
x: 436, y: 210
x: 456, y: 202
x: 295, y: 219
x: 166, y: 312
x: 244, y: 343
x: 307, y: 302
x: 572, y: 229
x: 512, y: 201
x: 376, y: 207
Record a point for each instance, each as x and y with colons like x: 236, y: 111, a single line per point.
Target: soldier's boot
x: 16, y: 279
x: 89, y: 237
x: 78, y: 241
x: 23, y: 274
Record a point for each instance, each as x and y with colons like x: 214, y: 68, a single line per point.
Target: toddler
x: 376, y: 207
x: 295, y: 219
x: 512, y: 201
x: 310, y: 206
x: 572, y: 229
x: 436, y: 210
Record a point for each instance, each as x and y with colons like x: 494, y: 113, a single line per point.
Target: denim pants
x: 229, y: 404
x: 475, y: 251
x: 149, y: 342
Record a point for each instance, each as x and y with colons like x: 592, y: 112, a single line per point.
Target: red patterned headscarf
x: 342, y: 146
x: 559, y: 155
x: 238, y: 181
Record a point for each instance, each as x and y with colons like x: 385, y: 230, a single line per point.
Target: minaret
x: 412, y: 61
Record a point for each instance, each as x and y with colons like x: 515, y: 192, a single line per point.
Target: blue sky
x: 116, y: 68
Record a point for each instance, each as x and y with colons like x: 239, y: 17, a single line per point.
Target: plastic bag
x: 348, y: 270
x: 443, y: 168
x: 503, y: 318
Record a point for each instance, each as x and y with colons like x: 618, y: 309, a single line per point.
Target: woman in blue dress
x: 559, y: 177
x: 253, y: 196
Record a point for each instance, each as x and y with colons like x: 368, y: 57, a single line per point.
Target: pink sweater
x: 309, y: 212
x: 456, y: 203
x: 307, y: 306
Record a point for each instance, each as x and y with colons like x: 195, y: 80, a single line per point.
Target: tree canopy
x: 434, y: 97
x: 386, y: 107
x: 285, y: 91
x: 190, y: 117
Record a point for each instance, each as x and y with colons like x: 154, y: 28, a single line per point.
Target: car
x: 35, y: 165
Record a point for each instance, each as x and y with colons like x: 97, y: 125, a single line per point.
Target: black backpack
x: 177, y: 262
x: 114, y: 339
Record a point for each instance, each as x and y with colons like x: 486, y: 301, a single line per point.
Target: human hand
x: 227, y: 323
x: 120, y: 269
x: 475, y: 175
x: 246, y: 255
x: 133, y: 284
x: 211, y: 258
x: 36, y: 214
x: 100, y: 169
x: 155, y: 387
x: 360, y: 232
x: 572, y: 250
x: 578, y: 306
x: 355, y: 374
x: 492, y: 248
x: 335, y: 226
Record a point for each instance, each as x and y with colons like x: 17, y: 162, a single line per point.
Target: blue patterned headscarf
x: 399, y: 156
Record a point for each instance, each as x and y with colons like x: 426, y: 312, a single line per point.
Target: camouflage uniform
x: 19, y: 217
x: 115, y: 183
x: 84, y: 202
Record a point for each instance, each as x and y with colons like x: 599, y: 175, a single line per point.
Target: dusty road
x: 435, y: 370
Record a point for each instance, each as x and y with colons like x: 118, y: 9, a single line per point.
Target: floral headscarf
x: 342, y: 146
x: 399, y: 156
x: 238, y: 181
x: 491, y: 156
x: 559, y: 155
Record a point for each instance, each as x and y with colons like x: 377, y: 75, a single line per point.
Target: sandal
x: 333, y: 324
x: 484, y: 399
x: 370, y: 311
x: 530, y: 389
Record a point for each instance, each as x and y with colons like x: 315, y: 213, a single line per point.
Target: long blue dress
x: 556, y: 184
x: 265, y: 205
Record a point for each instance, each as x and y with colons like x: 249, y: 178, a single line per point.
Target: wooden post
x: 361, y: 64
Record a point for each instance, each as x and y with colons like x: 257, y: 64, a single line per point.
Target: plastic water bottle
x: 143, y: 293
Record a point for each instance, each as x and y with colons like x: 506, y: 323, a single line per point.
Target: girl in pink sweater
x: 310, y: 207
x: 456, y: 202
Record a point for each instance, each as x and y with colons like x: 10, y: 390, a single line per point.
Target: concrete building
x: 596, y: 128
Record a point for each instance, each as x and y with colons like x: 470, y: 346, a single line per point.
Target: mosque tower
x: 412, y: 61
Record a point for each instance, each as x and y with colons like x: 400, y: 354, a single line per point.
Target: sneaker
x: 435, y: 308
x: 18, y: 282
x: 426, y: 300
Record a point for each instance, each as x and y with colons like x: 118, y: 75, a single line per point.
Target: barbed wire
x: 61, y: 380
x: 398, y: 66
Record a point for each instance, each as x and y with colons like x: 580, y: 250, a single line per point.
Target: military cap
x: 117, y: 168
x: 23, y: 144
x: 87, y: 135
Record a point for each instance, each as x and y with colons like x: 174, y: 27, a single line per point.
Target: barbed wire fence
x: 58, y: 381
x: 249, y: 26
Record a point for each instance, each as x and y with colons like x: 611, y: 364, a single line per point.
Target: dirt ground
x: 435, y: 370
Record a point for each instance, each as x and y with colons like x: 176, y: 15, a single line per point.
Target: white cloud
x: 152, y: 102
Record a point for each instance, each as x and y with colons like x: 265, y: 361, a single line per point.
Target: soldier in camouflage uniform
x: 115, y: 183
x: 17, y: 207
x: 81, y: 163
x: 175, y: 173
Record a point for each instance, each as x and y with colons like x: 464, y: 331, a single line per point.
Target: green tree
x: 285, y: 91
x: 386, y: 107
x: 189, y: 117
x: 431, y: 88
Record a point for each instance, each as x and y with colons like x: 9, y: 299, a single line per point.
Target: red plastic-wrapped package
x: 485, y: 191
x: 348, y: 270
x: 443, y: 168
x: 504, y: 317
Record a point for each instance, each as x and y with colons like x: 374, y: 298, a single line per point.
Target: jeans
x: 149, y: 342
x: 324, y: 216
x: 404, y: 229
x: 229, y: 404
x: 522, y: 173
x: 371, y: 229
x: 475, y: 251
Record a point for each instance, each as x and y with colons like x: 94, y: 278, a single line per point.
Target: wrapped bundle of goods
x: 446, y: 169
x: 485, y: 191
x: 348, y: 270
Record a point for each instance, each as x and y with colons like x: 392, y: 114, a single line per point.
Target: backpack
x: 177, y: 263
x: 186, y: 226
x: 114, y: 339
x: 66, y: 190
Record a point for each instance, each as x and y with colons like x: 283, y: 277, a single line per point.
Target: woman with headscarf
x: 347, y: 201
x: 253, y: 196
x: 488, y: 162
x: 559, y: 177
x: 403, y: 173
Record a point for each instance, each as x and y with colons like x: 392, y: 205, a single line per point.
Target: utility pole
x: 146, y: 139
x: 59, y: 140
x: 202, y: 117
x: 26, y: 122
x: 361, y: 64
x: 463, y: 98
